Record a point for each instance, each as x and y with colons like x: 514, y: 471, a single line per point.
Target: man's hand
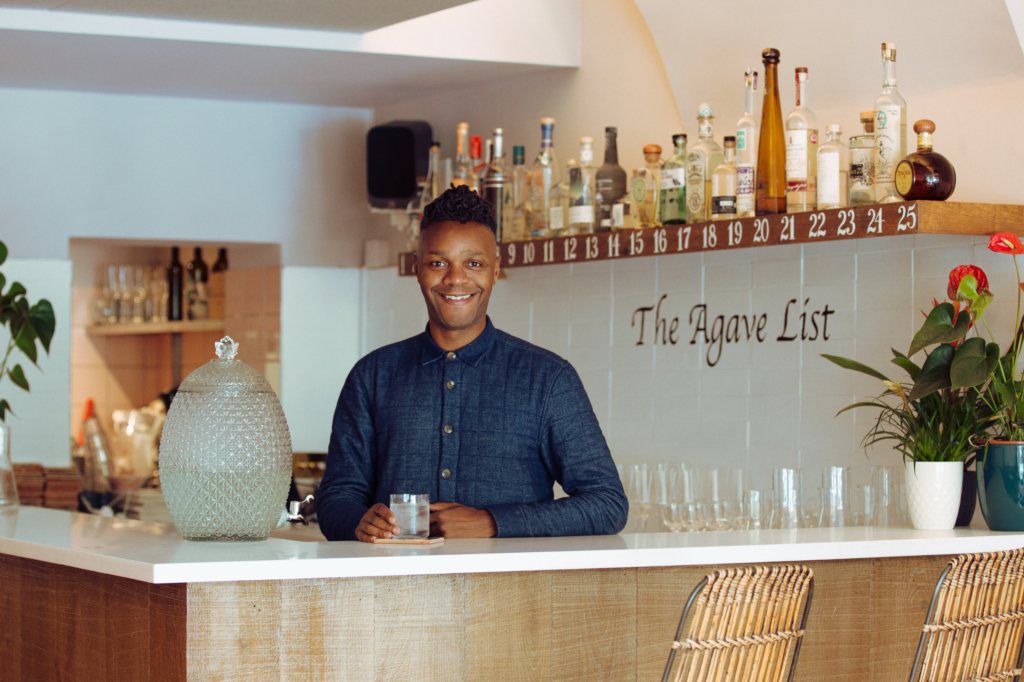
x: 377, y: 522
x: 453, y: 520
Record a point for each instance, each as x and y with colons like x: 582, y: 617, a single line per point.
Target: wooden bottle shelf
x: 131, y: 329
x: 859, y: 222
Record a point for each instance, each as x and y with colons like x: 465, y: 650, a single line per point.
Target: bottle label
x: 705, y: 129
x: 639, y: 190
x: 745, y: 189
x: 723, y: 205
x: 904, y: 177
x: 618, y: 211
x: 581, y: 215
x: 695, y: 184
x: 555, y: 221
x: 862, y: 177
x: 673, y: 178
x: 828, y: 180
x: 890, y: 143
x: 741, y: 140
x: 796, y: 160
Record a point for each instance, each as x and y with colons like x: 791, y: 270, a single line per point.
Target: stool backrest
x: 974, y: 626
x: 742, y: 624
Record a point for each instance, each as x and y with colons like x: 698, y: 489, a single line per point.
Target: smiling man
x: 482, y: 421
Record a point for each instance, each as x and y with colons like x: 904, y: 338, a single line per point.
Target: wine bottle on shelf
x: 546, y: 174
x: 646, y: 188
x: 724, y: 183
x: 221, y: 264
x: 198, y: 297
x: 890, y: 129
x: 801, y: 151
x: 701, y: 162
x: 217, y: 283
x: 833, y: 170
x: 581, y: 190
x: 610, y: 182
x: 495, y: 185
x: 746, y: 148
x: 673, y: 184
x: 862, y: 174
x: 770, y: 176
x: 175, y: 287
x: 925, y: 174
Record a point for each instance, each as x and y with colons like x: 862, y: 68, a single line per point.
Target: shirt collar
x: 470, y: 353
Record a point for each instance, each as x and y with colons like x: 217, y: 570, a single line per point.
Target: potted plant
x: 27, y: 324
x: 934, y: 419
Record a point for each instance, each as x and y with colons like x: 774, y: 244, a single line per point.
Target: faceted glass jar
x: 226, y: 453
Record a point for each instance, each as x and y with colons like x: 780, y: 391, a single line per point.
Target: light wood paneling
x: 594, y: 625
x: 838, y: 626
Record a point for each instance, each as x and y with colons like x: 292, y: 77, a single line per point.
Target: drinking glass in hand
x: 412, y: 515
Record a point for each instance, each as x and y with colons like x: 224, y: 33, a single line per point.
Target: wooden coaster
x: 417, y: 541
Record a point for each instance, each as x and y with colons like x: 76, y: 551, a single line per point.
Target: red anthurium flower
x: 961, y: 271
x: 1006, y: 242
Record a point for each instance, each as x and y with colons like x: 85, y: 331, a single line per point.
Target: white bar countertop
x: 155, y: 553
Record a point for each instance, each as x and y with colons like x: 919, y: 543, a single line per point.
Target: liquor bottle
x: 424, y: 196
x: 522, y: 217
x: 801, y: 151
x: 558, y: 204
x: 624, y: 215
x: 673, y: 184
x: 890, y: 129
x: 495, y: 186
x: 546, y: 174
x: 221, y: 265
x: 746, y: 148
x: 581, y: 190
x: 646, y: 188
x: 701, y: 162
x: 770, y: 177
x: 175, y: 287
x: 833, y: 170
x: 476, y: 150
x: 198, y: 276
x: 463, y: 169
x: 724, y: 184
x: 217, y: 276
x: 610, y: 182
x: 862, y: 173
x: 925, y: 174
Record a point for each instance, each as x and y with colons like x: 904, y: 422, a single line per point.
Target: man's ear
x: 415, y: 264
x: 497, y: 268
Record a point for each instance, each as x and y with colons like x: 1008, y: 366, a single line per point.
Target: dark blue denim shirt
x: 519, y: 420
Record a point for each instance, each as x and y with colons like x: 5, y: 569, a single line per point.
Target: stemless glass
x: 864, y: 505
x: 836, y: 501
x: 640, y: 495
x: 788, y: 503
x: 814, y: 506
x: 886, y: 490
x: 756, y: 510
x: 412, y: 515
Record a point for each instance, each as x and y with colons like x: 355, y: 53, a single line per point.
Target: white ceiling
x: 355, y: 16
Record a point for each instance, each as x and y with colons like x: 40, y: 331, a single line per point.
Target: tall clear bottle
x: 426, y: 194
x: 890, y: 130
x: 496, y: 187
x: 724, y: 184
x: 770, y: 177
x: 862, y: 170
x: 833, y: 170
x: 801, y: 151
x: 546, y: 174
x: 701, y: 162
x: 463, y: 168
x: 520, y: 194
x: 558, y: 203
x: 746, y: 148
x: 581, y: 190
x: 673, y: 184
x: 610, y: 182
x: 646, y: 188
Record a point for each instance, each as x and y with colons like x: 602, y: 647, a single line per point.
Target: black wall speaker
x: 397, y: 156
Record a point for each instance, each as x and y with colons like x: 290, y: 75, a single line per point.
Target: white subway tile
x: 830, y: 270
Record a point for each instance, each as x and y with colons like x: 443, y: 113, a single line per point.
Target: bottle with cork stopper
x: 925, y: 174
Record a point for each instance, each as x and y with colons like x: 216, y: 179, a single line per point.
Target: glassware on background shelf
x: 746, y: 148
x: 723, y: 495
x: 770, y: 175
x: 646, y: 188
x: 581, y: 191
x: 610, y: 182
x: 787, y: 499
x: 639, y: 494
x: 814, y: 506
x: 886, y: 485
x: 8, y: 486
x: 925, y: 174
x: 141, y: 294
x: 701, y: 161
x: 862, y: 170
x: 890, y: 130
x: 801, y: 151
x: 836, y: 511
x: 126, y: 293
x: 833, y: 170
x: 863, y: 505
x: 756, y: 510
x: 547, y: 173
x: 724, y: 184
x: 673, y: 184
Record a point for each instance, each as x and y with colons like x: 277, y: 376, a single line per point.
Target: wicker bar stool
x: 973, y: 630
x: 743, y: 624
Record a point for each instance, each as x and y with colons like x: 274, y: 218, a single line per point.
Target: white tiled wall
x: 762, y: 405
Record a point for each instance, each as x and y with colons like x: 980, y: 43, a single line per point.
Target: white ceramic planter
x: 933, y: 491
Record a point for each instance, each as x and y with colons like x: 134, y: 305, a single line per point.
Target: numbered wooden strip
x: 797, y: 228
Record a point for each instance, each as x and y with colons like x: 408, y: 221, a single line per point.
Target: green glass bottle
x: 673, y: 184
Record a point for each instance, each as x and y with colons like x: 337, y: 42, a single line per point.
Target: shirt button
x: 446, y: 474
x: 450, y: 385
x: 451, y: 355
x: 447, y: 428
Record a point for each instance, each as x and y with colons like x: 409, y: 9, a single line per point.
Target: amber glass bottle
x: 770, y: 195
x: 925, y: 174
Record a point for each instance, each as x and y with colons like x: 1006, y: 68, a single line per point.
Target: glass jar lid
x: 225, y: 372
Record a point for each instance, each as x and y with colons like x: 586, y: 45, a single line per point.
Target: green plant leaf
x: 18, y: 377
x: 17, y: 289
x: 979, y: 300
x: 3, y: 254
x: 863, y: 404
x: 43, y: 322
x: 855, y: 366
x: 940, y: 327
x: 5, y: 407
x: 901, y: 360
x: 934, y: 373
x: 973, y: 363
x: 26, y: 343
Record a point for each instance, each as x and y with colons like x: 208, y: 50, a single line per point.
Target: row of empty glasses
x: 682, y: 497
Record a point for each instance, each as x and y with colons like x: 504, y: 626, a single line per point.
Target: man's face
x: 457, y: 265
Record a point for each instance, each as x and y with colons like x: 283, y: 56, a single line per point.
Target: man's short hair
x: 462, y: 205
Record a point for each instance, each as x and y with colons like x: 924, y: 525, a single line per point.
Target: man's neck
x: 454, y: 339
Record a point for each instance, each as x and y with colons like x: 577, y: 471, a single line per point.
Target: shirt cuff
x: 510, y: 520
